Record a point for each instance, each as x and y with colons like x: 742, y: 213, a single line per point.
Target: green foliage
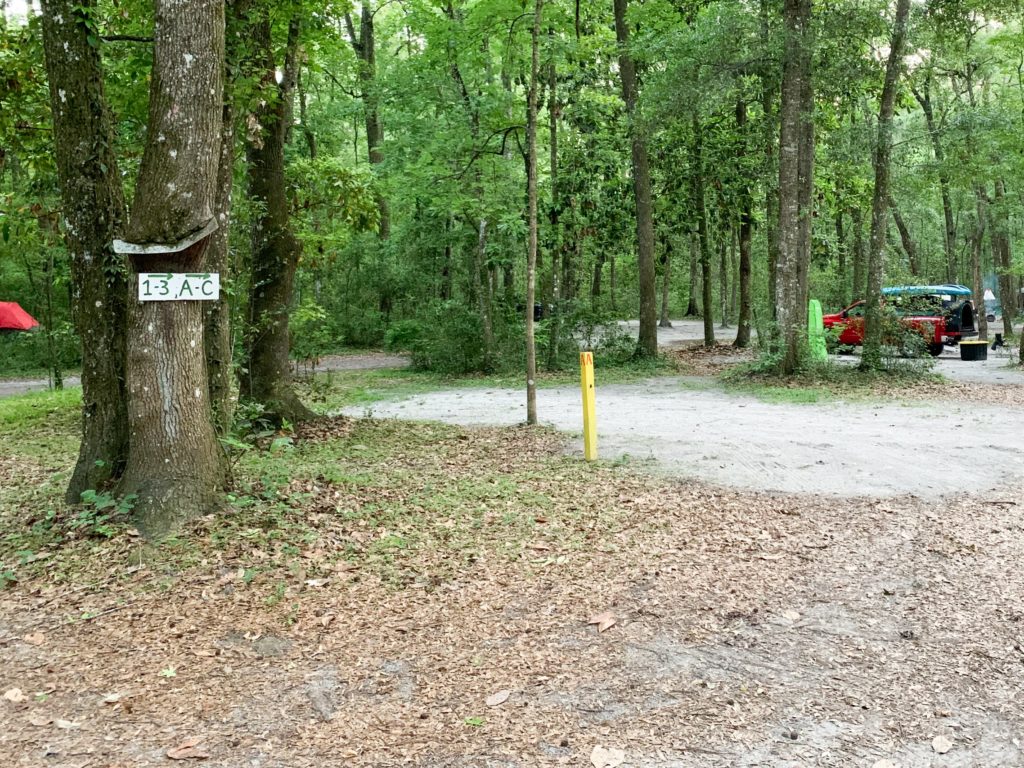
x: 449, y: 340
x: 101, y: 514
x: 311, y: 334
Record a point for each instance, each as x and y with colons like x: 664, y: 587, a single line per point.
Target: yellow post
x: 589, y: 411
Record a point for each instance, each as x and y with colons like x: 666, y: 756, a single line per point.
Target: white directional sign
x: 189, y: 286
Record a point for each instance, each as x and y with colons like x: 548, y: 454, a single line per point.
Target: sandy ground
x: 842, y: 449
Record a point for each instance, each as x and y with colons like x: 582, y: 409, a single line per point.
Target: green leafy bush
x: 311, y: 336
x: 449, y: 340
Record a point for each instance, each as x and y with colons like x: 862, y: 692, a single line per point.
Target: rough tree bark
x: 94, y: 211
x: 266, y: 377
x: 174, y: 465
x: 796, y: 162
x: 647, y: 345
x: 872, y: 355
x: 531, y: 215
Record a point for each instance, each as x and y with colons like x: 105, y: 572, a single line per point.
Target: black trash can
x: 975, y: 349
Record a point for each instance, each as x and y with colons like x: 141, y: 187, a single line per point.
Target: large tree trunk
x: 796, y: 164
x: 872, y: 355
x: 175, y: 467
x: 266, y: 378
x: 949, y: 230
x: 364, y: 43
x: 647, y: 345
x: 94, y: 211
x: 531, y: 215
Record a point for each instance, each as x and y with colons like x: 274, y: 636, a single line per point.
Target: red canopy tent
x: 14, y: 318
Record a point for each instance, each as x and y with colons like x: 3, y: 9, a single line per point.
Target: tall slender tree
x: 364, y: 43
x: 266, y: 372
x: 647, y: 345
x: 872, y: 358
x: 94, y: 212
x: 531, y: 214
x: 796, y: 182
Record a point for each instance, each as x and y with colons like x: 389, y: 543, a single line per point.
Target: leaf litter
x: 420, y: 621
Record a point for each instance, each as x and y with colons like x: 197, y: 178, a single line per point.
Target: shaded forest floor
x: 385, y: 594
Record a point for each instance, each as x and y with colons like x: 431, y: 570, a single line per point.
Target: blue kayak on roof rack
x: 949, y: 289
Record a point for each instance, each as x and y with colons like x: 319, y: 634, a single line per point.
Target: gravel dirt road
x: 691, y: 429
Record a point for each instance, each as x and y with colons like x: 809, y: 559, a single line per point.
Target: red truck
x: 942, y: 314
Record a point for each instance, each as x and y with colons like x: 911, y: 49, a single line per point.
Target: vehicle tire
x: 935, y: 348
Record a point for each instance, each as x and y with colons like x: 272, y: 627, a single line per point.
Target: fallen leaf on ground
x: 66, y: 725
x: 604, y: 757
x: 190, y: 749
x: 40, y: 720
x: 36, y: 638
x: 604, y: 620
x: 14, y: 695
x: 791, y: 616
x: 496, y: 699
x: 941, y: 744
x: 112, y: 698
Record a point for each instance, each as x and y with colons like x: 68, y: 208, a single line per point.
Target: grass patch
x: 332, y: 390
x: 828, y: 382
